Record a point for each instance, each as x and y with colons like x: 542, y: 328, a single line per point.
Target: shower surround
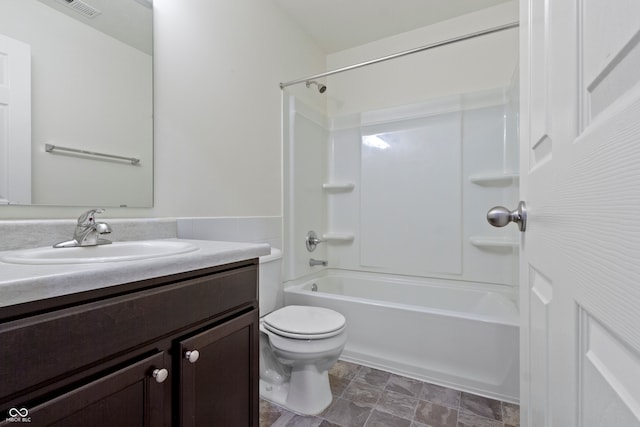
x: 404, y: 190
x: 394, y: 167
x: 401, y: 193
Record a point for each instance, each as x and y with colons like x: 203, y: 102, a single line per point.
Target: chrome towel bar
x: 50, y: 147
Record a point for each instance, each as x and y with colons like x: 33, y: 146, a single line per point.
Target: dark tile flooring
x: 372, y: 398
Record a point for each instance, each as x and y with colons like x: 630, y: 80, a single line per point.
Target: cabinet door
x: 221, y: 387
x: 128, y: 397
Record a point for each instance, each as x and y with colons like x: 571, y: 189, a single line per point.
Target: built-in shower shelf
x: 338, y: 187
x: 337, y: 237
x: 497, y: 178
x: 493, y: 242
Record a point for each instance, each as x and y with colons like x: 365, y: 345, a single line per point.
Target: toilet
x: 298, y: 345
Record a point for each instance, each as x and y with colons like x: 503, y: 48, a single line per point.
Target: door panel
x: 610, y: 56
x: 541, y: 297
x: 580, y: 253
x: 540, y: 142
x: 610, y: 372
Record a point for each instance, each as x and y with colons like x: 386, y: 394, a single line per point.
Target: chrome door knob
x: 192, y: 356
x: 160, y: 375
x: 500, y: 216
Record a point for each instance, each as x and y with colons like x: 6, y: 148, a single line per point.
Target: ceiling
x: 129, y: 21
x: 337, y: 25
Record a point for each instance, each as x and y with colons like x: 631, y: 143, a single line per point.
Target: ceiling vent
x: 146, y: 3
x: 82, y: 8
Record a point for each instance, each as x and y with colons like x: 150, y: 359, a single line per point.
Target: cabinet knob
x: 160, y: 374
x: 192, y: 355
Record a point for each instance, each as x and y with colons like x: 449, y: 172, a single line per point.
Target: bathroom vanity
x: 175, y: 349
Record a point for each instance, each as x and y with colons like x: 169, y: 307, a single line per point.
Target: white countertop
x: 21, y: 283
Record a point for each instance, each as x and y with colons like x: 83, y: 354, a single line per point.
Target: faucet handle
x: 312, y: 240
x: 88, y: 217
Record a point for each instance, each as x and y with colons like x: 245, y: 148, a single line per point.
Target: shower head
x: 321, y: 88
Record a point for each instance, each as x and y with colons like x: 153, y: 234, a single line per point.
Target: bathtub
x: 456, y: 334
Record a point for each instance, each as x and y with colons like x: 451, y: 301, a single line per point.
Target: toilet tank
x: 269, y: 281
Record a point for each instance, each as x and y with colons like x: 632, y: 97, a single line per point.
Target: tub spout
x: 314, y: 262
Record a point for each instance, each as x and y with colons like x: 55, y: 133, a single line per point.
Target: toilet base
x: 274, y: 393
x: 311, y: 392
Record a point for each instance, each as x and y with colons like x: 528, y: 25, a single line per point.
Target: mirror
x: 76, y: 75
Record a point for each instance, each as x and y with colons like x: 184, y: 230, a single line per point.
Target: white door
x: 580, y: 178
x: 15, y: 121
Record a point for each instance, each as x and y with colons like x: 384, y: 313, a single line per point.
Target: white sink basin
x: 115, y: 252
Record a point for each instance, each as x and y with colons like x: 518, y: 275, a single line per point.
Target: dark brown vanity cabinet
x: 180, y: 350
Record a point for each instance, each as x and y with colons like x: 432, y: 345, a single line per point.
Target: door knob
x: 500, y: 216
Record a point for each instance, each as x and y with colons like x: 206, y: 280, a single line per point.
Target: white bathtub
x: 456, y: 334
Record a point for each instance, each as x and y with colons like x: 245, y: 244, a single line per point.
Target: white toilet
x: 298, y: 345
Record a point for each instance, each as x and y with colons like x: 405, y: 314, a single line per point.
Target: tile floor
x: 366, y: 397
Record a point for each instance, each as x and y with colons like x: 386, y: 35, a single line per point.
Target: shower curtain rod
x: 404, y: 53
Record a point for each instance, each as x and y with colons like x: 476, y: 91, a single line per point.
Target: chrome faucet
x: 313, y: 262
x: 88, y: 231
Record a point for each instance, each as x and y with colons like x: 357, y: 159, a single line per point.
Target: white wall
x: 218, y: 104
x: 217, y: 67
x: 482, y: 63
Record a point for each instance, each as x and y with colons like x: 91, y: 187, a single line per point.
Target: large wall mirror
x: 76, y: 107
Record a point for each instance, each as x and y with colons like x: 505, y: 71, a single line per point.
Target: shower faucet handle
x: 312, y: 241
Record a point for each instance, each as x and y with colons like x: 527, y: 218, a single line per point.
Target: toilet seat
x: 305, y: 322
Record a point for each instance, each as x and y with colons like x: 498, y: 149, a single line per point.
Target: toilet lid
x: 304, y: 322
